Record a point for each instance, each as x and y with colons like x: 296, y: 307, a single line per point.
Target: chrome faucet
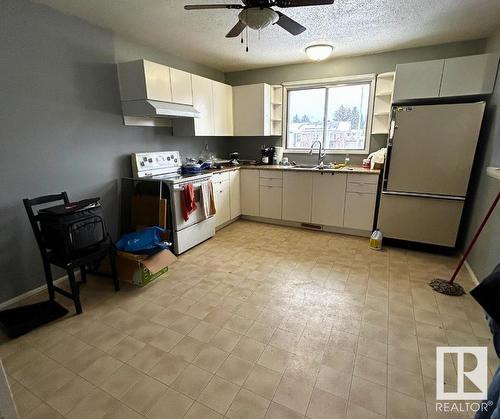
x: 321, y: 152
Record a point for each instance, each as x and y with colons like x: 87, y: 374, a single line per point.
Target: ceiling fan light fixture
x: 258, y: 18
x: 319, y: 52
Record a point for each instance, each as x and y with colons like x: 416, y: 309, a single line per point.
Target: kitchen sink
x: 305, y: 166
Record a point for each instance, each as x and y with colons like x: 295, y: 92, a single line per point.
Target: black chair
x: 81, y: 261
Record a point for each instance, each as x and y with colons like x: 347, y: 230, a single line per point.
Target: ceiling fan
x: 257, y: 14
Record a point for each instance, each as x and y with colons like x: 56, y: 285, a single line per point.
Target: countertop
x: 350, y: 169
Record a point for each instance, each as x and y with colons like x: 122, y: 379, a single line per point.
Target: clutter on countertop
x: 338, y: 167
x: 191, y: 167
x: 377, y: 158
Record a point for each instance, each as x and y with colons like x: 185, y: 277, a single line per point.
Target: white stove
x: 165, y: 166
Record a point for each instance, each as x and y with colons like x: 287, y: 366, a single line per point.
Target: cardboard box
x: 140, y: 270
x: 149, y: 211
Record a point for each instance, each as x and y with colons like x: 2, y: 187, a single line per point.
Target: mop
x: 448, y: 287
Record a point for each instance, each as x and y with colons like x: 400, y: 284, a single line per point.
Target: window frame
x: 326, y: 83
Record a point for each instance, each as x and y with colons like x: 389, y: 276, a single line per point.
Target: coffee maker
x: 267, y: 154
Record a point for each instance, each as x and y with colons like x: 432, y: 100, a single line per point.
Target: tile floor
x: 260, y: 321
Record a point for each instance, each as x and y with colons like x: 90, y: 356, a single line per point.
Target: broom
x: 448, y: 287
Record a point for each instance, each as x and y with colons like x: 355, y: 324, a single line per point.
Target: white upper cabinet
x: 417, y: 80
x: 471, y: 75
x: 328, y: 198
x: 203, y: 102
x: 252, y: 110
x: 223, y: 108
x: 142, y: 79
x: 213, y: 100
x: 182, y: 90
x: 452, y: 77
x: 158, y: 85
x: 297, y: 196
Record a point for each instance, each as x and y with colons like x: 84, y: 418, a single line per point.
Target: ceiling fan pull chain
x: 246, y: 31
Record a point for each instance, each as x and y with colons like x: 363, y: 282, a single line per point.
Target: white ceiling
x: 354, y: 27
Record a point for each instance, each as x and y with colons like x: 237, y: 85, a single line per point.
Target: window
x: 336, y: 112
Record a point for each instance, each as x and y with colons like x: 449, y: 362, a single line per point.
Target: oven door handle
x: 195, y: 186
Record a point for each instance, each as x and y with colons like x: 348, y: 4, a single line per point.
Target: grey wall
x: 61, y: 126
x: 126, y: 50
x: 374, y: 63
x: 486, y: 253
x: 345, y: 66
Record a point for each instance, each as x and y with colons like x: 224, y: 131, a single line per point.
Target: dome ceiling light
x: 319, y: 52
x: 257, y: 18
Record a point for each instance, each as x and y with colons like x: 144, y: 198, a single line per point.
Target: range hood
x: 157, y: 109
x: 147, y: 94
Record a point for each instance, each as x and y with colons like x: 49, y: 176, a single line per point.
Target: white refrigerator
x: 430, y: 152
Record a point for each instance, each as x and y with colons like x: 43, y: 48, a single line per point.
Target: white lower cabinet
x: 360, y: 201
x: 270, y: 196
x: 297, y: 196
x: 270, y: 201
x: 328, y: 198
x: 222, y: 188
x: 324, y: 198
x: 249, y: 184
x: 235, y: 193
x: 359, y: 210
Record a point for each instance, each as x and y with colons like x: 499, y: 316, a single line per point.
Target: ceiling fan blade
x: 300, y: 3
x: 212, y: 6
x: 237, y: 29
x: 289, y: 24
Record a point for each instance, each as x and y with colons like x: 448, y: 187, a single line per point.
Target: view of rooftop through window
x: 346, y: 114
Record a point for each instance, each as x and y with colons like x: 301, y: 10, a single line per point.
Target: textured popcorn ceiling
x: 354, y: 27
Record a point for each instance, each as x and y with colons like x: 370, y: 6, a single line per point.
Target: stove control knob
x: 142, y: 163
x: 175, y: 160
x: 150, y: 160
x: 168, y: 158
x: 145, y: 159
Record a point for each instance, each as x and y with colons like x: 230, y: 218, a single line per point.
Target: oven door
x: 196, y: 216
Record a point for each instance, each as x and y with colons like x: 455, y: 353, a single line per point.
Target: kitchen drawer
x: 362, y: 177
x: 271, y: 182
x: 362, y: 187
x: 270, y: 174
x: 220, y: 177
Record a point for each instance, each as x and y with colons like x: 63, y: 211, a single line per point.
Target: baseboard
x: 307, y: 226
x: 34, y: 291
x: 471, y: 273
x: 231, y: 221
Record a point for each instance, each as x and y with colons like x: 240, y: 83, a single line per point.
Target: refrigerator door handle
x: 425, y: 195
